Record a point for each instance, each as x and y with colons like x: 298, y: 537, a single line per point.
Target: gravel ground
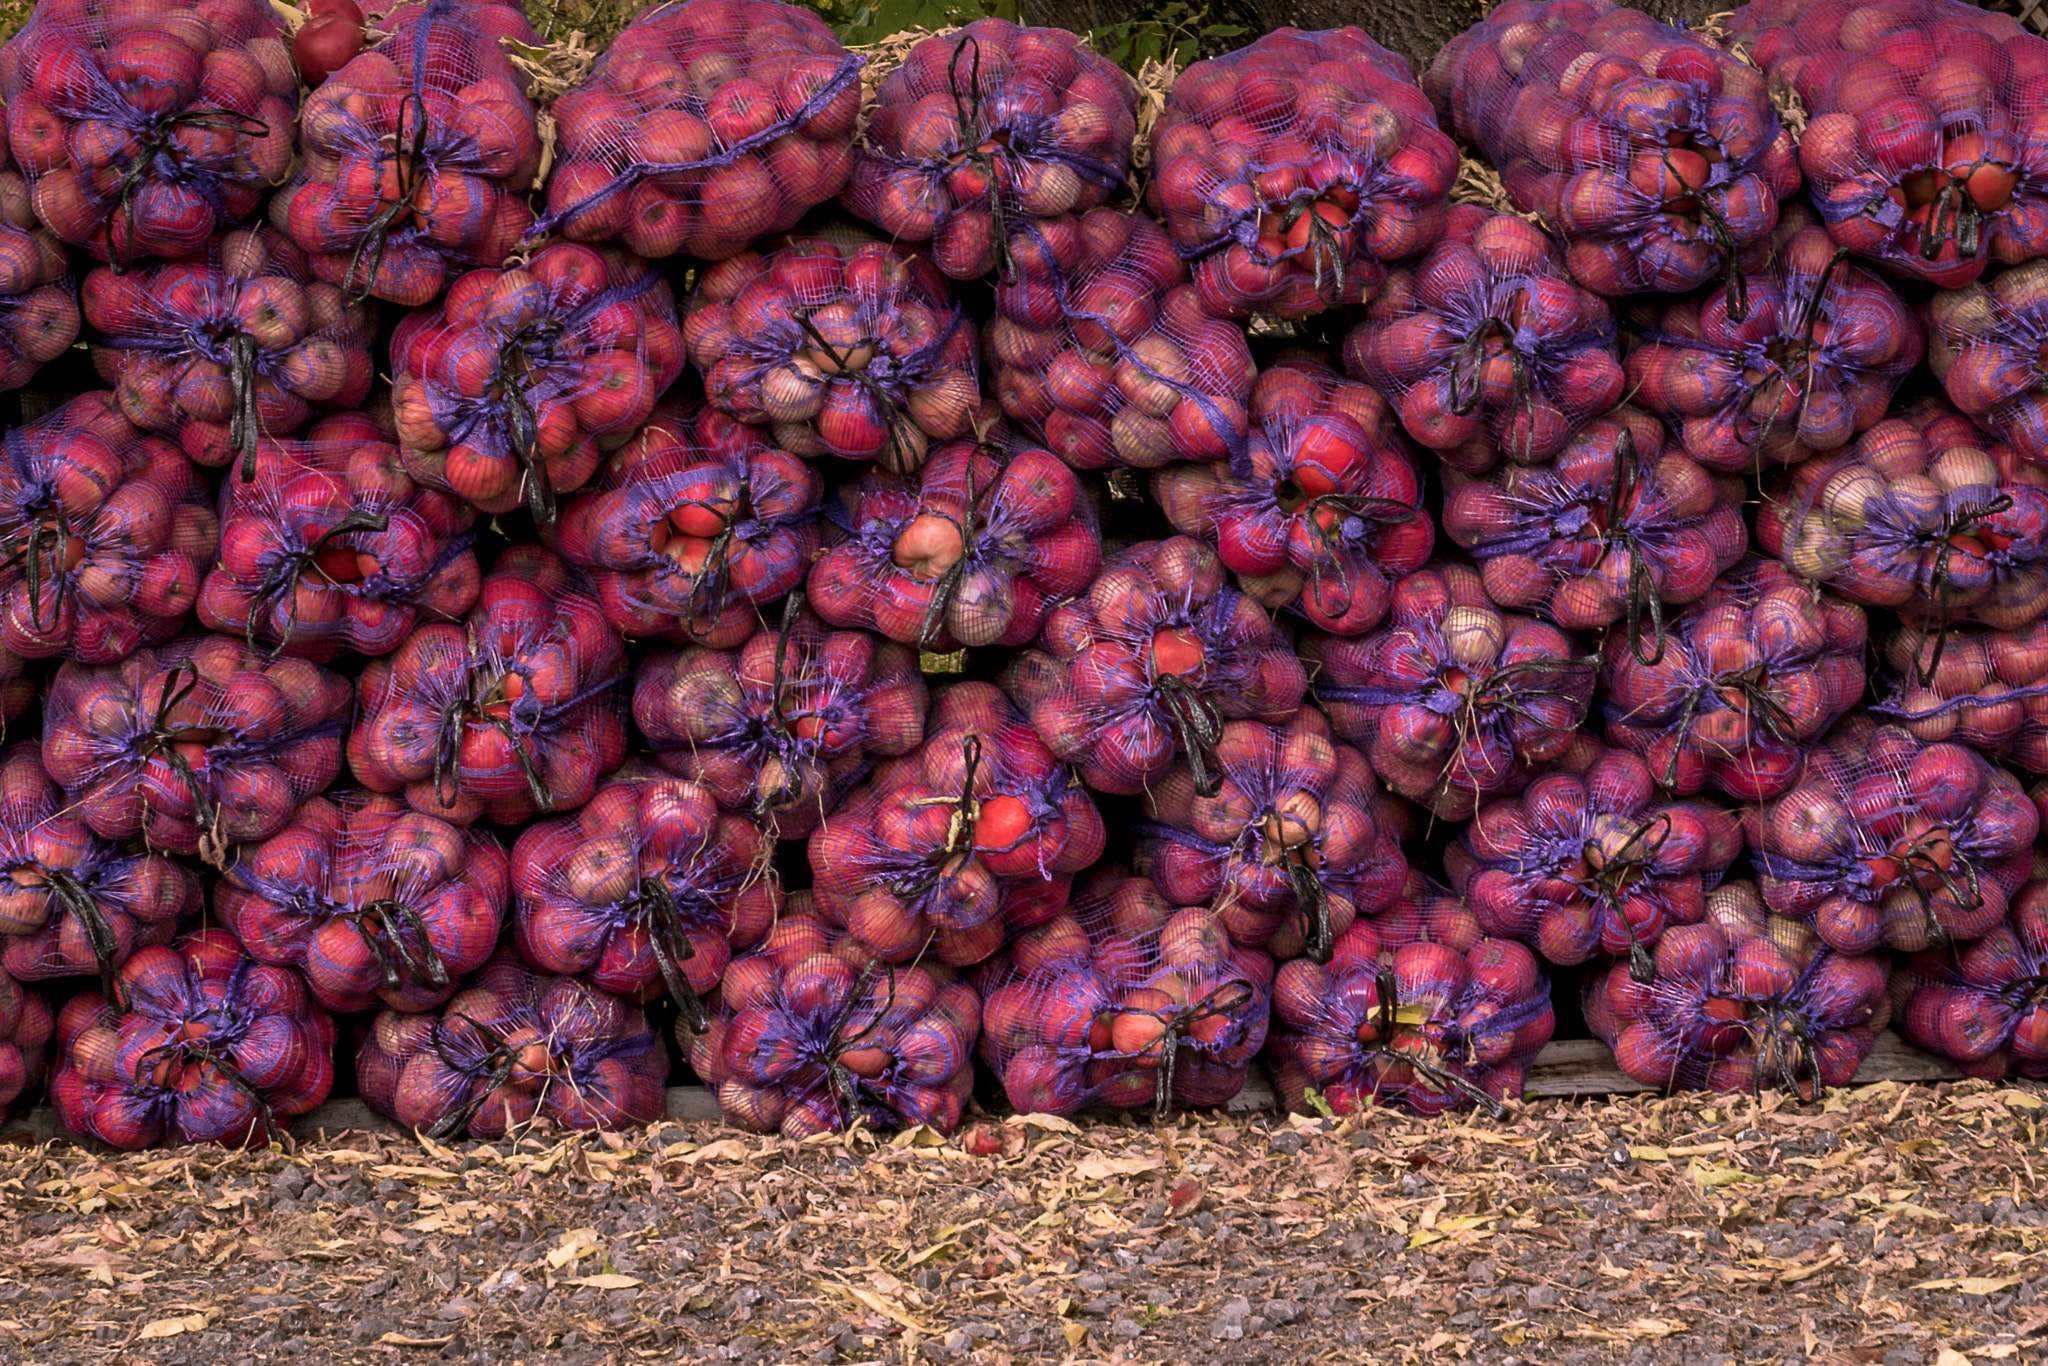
x: 1893, y: 1224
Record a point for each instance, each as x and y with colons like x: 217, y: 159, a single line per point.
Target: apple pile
x: 1984, y: 1006
x: 857, y: 350
x: 1987, y: 689
x: 647, y: 887
x: 144, y: 128
x: 1745, y: 1000
x: 784, y: 724
x: 973, y: 549
x: 511, y: 1046
x: 1493, y: 351
x: 1288, y: 851
x: 704, y: 127
x: 220, y: 351
x: 1101, y: 345
x: 1814, y: 361
x: 1589, y: 859
x: 1923, y: 516
x: 1122, y: 1003
x: 975, y: 834
x: 371, y: 901
x: 194, y: 745
x: 510, y: 393
x: 1750, y: 676
x: 1613, y: 529
x: 1292, y: 170
x: 688, y: 532
x: 104, y: 531
x: 212, y: 1047
x: 1988, y: 345
x: 512, y: 713
x: 812, y: 1033
x: 26, y: 1025
x: 1454, y: 701
x: 983, y: 133
x: 416, y: 156
x: 38, y: 303
x: 1657, y: 155
x: 1430, y: 1025
x: 1922, y: 147
x: 1888, y: 840
x: 1324, y: 510
x: 333, y: 547
x: 72, y: 902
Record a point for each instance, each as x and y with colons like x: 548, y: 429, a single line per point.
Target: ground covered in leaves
x: 1891, y: 1224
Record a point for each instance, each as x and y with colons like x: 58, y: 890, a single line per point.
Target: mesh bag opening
x: 214, y: 1047
x: 513, y: 713
x: 1149, y: 664
x: 1322, y: 511
x: 371, y: 901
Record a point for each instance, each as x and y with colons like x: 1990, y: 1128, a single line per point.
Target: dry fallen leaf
x: 170, y: 1328
x: 608, y: 1280
x: 1973, y: 1285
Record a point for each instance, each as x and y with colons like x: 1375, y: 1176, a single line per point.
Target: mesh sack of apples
x: 144, y: 127
x: 512, y: 1046
x: 1814, y: 361
x: 1487, y: 347
x: 1590, y: 859
x: 369, y: 900
x: 1291, y: 171
x: 703, y: 127
x: 1921, y: 515
x: 1750, y: 676
x: 649, y: 887
x: 194, y: 745
x: 982, y: 133
x: 38, y: 298
x: 511, y: 713
x: 783, y: 725
x: 26, y: 1027
x: 1149, y: 663
x: 1613, y: 531
x: 333, y: 548
x: 1985, y: 689
x: 1417, y: 1009
x: 1288, y: 851
x: 1745, y: 1000
x: 850, y: 348
x: 1981, y: 1004
x: 1656, y: 155
x: 416, y: 156
x: 1101, y: 346
x: 1124, y: 1002
x: 1323, y: 509
x: 973, y: 549
x: 975, y: 834
x: 689, y: 531
x: 1922, y: 147
x: 223, y: 350
x: 72, y: 902
x: 1987, y: 343
x: 105, y: 532
x: 1890, y: 840
x: 1453, y: 700
x: 509, y: 395
x: 812, y: 1034
x: 200, y: 1044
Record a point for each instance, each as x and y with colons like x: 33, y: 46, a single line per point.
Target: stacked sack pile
x: 857, y: 589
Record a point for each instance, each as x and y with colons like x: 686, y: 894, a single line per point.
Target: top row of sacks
x: 1289, y: 172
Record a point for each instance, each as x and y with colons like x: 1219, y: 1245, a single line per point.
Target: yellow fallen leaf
x: 608, y: 1280
x: 1715, y: 1174
x: 2020, y: 1100
x: 170, y: 1328
x: 577, y: 1242
x: 1648, y: 1154
x: 1074, y: 1332
x: 1920, y: 1145
x: 724, y: 1150
x: 1103, y: 1168
x: 881, y: 1304
x: 1656, y: 1328
x: 1794, y: 1274
x: 1050, y: 1123
x: 1949, y: 1356
x: 1461, y: 1222
x: 1424, y: 1237
x: 401, y: 1340
x: 1973, y: 1285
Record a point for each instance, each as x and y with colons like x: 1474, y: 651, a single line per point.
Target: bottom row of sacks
x: 1120, y: 1001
